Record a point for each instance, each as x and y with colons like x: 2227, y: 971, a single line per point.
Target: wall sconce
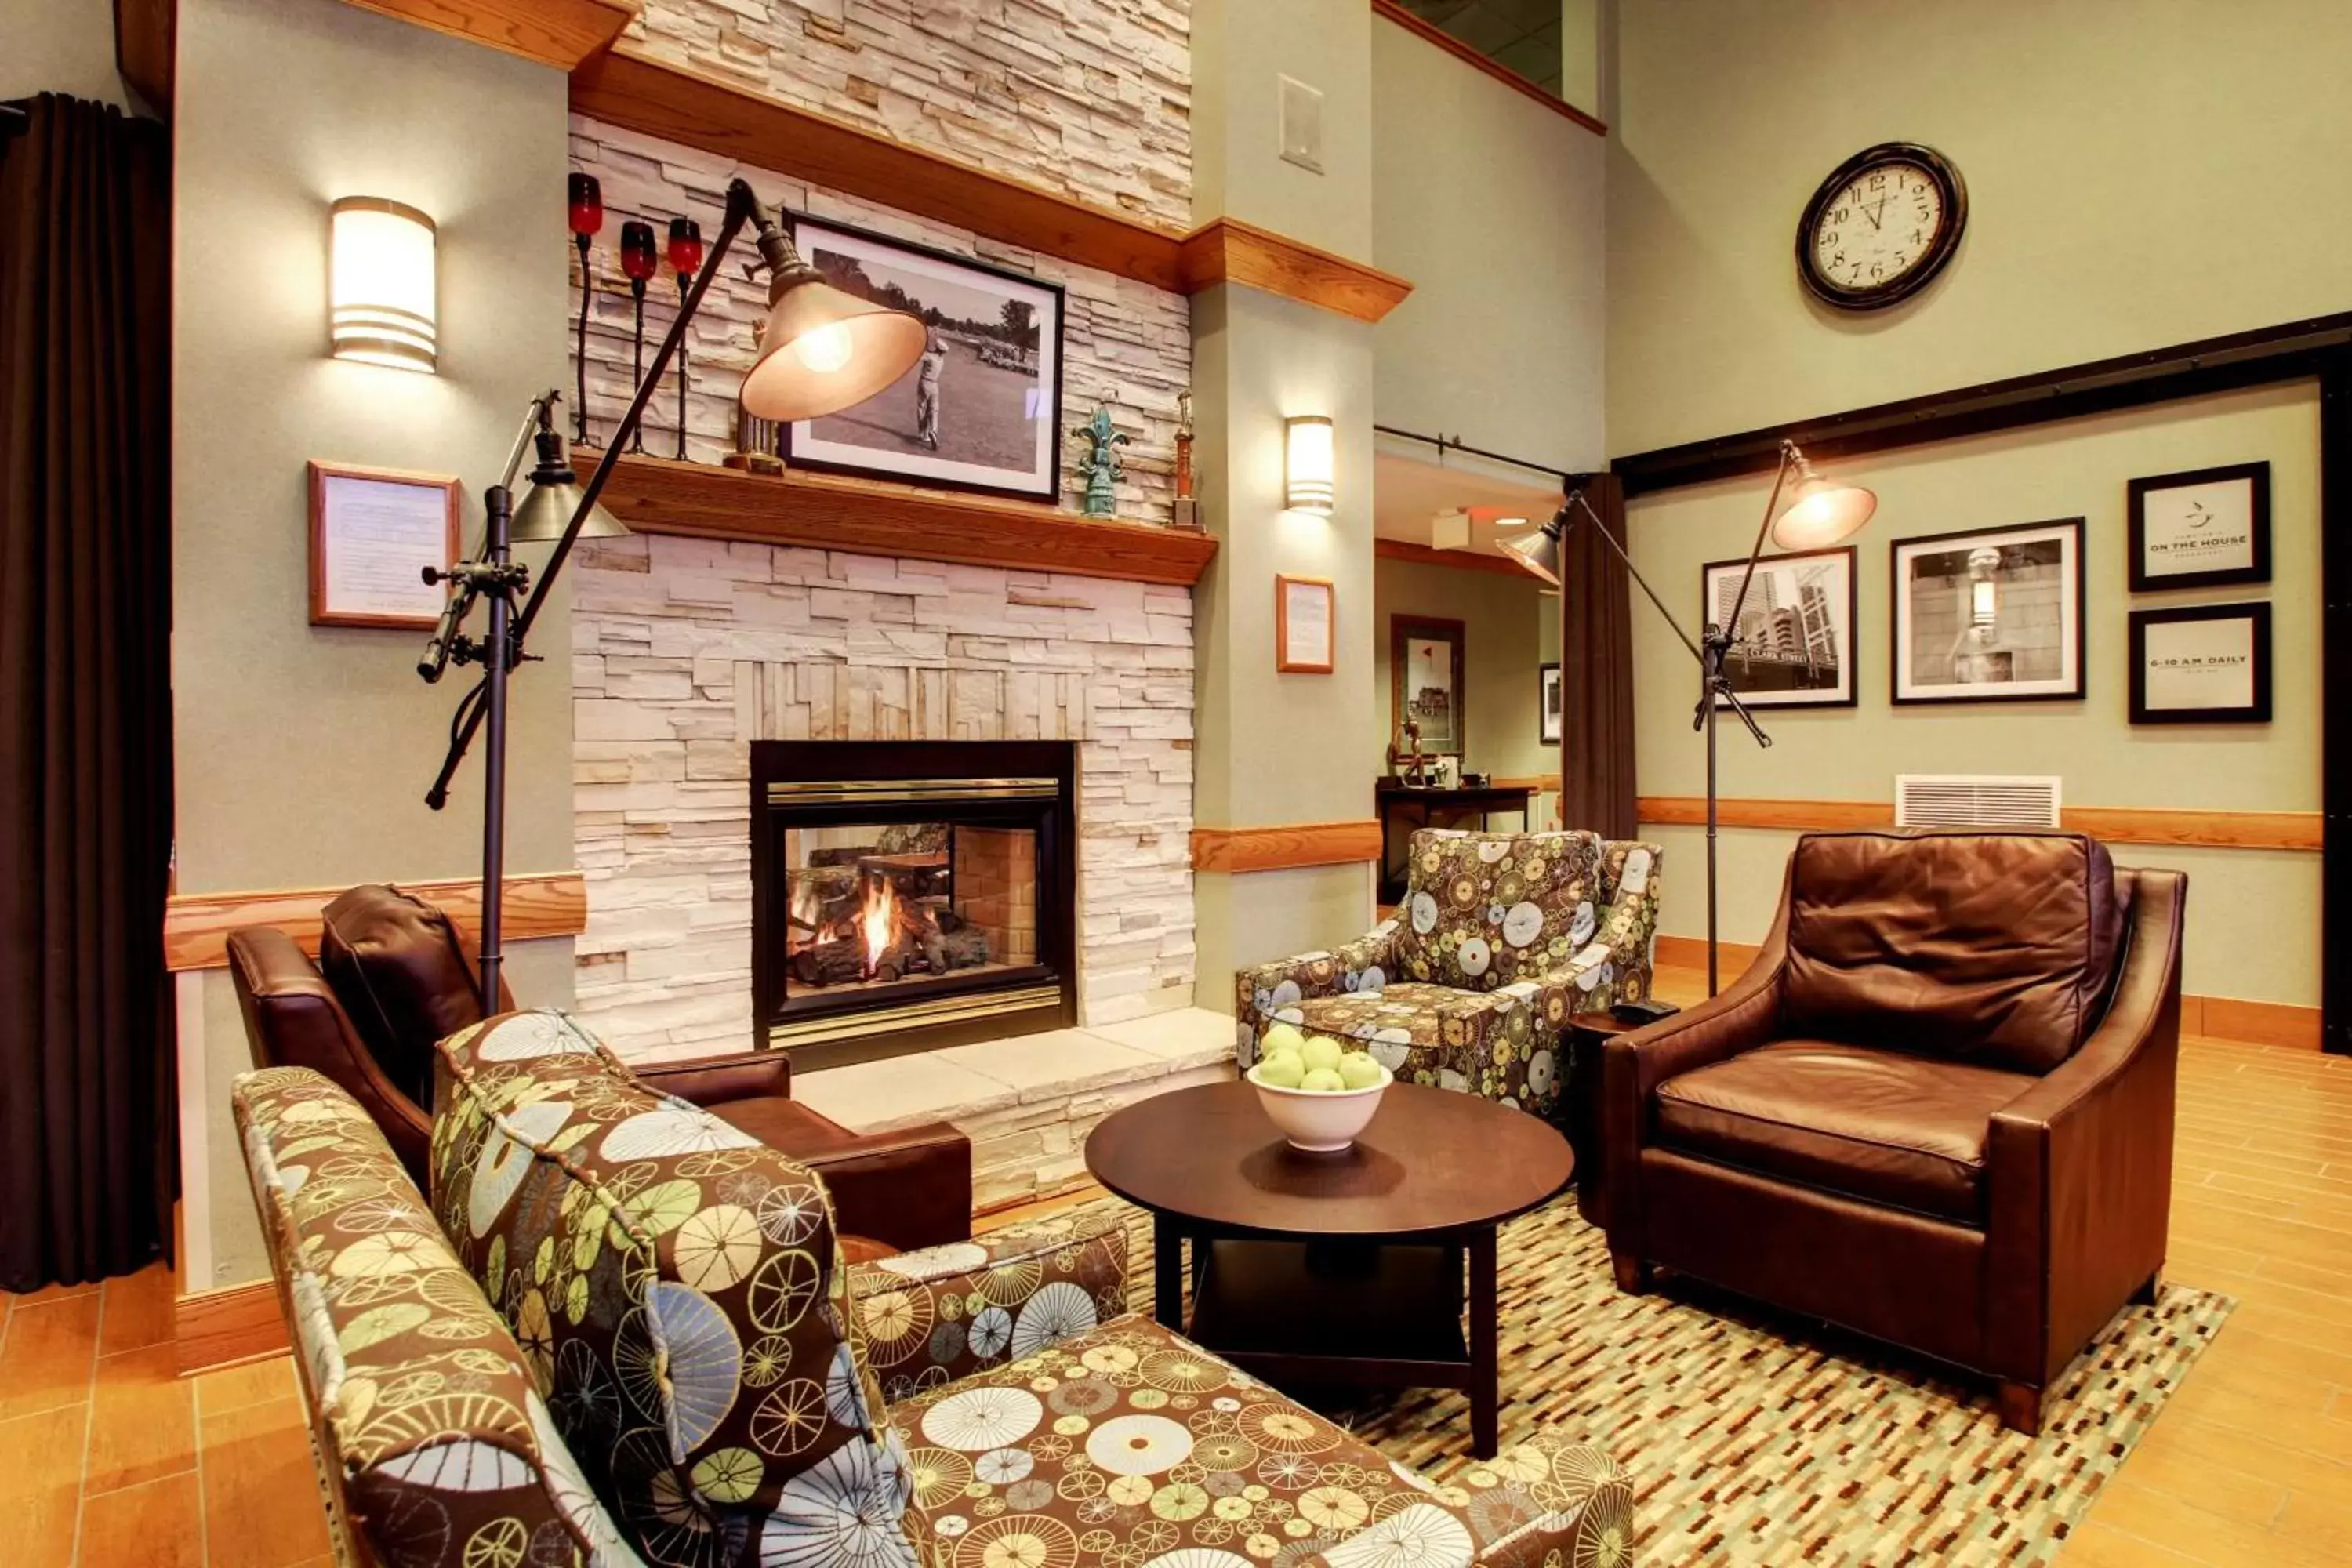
x: 1307, y: 463
x: 381, y: 299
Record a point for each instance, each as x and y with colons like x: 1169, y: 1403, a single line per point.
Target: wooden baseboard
x: 2294, y: 830
x: 1238, y: 849
x: 221, y: 1328
x: 2225, y: 1017
x: 196, y: 925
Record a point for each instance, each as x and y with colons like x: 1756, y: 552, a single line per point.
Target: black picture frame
x: 2255, y: 613
x: 1550, y: 715
x: 1902, y: 611
x: 803, y: 444
x: 2256, y: 476
x: 1713, y: 572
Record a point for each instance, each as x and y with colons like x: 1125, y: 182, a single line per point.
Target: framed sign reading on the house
x: 1991, y: 615
x: 1302, y: 626
x: 1425, y: 683
x: 2201, y: 664
x: 2206, y: 528
x: 372, y: 533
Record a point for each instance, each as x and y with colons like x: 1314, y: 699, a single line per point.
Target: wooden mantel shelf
x: 869, y: 517
x: 559, y: 33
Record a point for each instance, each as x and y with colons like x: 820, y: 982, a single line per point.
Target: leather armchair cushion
x: 399, y: 969
x: 1904, y: 1131
x: 1997, y: 947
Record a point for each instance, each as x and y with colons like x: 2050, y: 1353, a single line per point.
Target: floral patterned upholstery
x: 433, y: 1439
x: 1127, y: 1448
x: 675, y: 1285
x: 1500, y: 937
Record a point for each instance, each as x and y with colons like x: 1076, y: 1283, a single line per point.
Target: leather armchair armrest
x: 911, y: 1188
x: 717, y: 1080
x: 2079, y: 1168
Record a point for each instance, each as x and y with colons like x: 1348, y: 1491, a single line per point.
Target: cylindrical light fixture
x: 1307, y: 481
x: 381, y: 296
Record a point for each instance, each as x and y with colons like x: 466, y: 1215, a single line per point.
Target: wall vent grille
x: 1975, y: 800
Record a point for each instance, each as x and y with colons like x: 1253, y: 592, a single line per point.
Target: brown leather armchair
x: 392, y: 978
x: 1937, y: 1108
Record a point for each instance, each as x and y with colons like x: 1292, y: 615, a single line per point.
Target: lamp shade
x: 1309, y: 480
x: 822, y: 349
x: 380, y: 291
x: 1538, y: 553
x: 1823, y: 513
x: 553, y: 496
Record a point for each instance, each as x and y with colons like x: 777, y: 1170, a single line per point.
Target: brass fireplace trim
x: 908, y: 792
x: 786, y: 1032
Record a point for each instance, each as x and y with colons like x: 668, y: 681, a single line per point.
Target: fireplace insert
x: 911, y: 894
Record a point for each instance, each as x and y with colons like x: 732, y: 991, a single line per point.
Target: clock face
x: 1881, y: 226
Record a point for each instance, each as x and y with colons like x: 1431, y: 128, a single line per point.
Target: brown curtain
x: 1596, y: 669
x: 86, y: 1123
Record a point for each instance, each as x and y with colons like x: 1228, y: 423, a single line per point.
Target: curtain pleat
x: 1596, y: 667
x: 86, y: 1126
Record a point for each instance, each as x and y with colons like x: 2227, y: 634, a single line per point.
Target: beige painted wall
x: 2139, y: 173
x: 59, y: 46
x: 2077, y: 470
x: 1491, y: 205
x: 1241, y: 49
x: 303, y: 752
x: 1504, y: 641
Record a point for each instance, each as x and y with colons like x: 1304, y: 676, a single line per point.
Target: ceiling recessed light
x: 1510, y: 522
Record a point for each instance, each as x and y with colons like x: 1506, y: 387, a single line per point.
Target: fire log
x: 841, y: 962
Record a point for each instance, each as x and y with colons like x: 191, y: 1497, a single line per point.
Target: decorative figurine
x: 639, y: 261
x: 1188, y: 511
x: 686, y: 260
x: 586, y: 214
x: 1100, y: 467
x: 757, y: 441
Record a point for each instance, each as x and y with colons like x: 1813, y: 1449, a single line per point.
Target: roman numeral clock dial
x: 1884, y: 223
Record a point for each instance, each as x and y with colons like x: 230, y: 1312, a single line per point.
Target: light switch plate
x: 1302, y: 124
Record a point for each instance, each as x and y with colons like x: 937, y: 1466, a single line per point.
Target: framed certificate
x: 1302, y: 626
x: 2201, y: 664
x: 372, y: 533
x: 2207, y: 528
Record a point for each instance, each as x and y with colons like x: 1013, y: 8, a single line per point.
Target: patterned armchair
x: 1500, y: 937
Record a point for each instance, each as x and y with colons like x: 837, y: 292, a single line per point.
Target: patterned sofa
x: 1500, y: 937
x: 620, y: 1334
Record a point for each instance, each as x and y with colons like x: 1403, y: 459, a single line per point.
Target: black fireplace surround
x: 907, y: 895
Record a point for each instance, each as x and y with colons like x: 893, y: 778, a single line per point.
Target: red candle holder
x: 584, y: 213
x: 686, y: 260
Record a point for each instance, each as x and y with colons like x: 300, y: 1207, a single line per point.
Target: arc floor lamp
x: 821, y: 350
x: 1819, y: 513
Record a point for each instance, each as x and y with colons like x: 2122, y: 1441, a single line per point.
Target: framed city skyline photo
x: 2201, y: 664
x: 1794, y: 645
x: 982, y: 409
x: 1990, y: 615
x: 2205, y: 528
x: 1425, y: 683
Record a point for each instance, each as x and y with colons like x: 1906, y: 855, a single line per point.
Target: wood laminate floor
x: 108, y: 1460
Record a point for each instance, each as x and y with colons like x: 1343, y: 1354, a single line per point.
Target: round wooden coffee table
x: 1334, y: 1270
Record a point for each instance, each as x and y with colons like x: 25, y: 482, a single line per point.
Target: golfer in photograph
x: 927, y: 390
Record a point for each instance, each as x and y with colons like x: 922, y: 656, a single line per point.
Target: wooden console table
x: 1421, y: 808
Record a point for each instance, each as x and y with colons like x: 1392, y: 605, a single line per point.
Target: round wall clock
x: 1884, y: 223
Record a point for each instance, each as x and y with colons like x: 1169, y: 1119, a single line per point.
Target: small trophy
x: 1188, y: 508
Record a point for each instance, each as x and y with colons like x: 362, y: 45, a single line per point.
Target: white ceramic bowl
x: 1321, y: 1121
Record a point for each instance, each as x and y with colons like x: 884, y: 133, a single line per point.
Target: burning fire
x: 879, y: 922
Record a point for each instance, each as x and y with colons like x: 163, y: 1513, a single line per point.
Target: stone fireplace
x: 909, y: 895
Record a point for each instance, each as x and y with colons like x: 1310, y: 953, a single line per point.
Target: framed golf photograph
x: 1548, y: 704
x: 1990, y: 615
x: 1793, y: 645
x: 982, y: 409
x: 2206, y: 528
x: 2201, y: 664
x: 1425, y: 684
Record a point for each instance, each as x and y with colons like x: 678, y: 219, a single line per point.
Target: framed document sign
x: 372, y: 533
x: 1302, y: 626
x: 2201, y: 664
x: 2206, y: 528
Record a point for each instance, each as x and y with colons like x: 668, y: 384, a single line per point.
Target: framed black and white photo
x: 1548, y: 704
x: 1793, y: 646
x: 2201, y: 664
x: 1990, y: 615
x: 2206, y: 528
x: 981, y: 410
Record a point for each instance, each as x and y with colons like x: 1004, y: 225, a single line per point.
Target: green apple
x: 1358, y: 1070
x: 1321, y: 1051
x: 1322, y: 1081
x: 1280, y: 1036
x: 1281, y: 1072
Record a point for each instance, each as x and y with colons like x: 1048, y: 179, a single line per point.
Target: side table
x: 1584, y: 1034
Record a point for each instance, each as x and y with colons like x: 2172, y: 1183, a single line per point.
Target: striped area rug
x: 1760, y: 1439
